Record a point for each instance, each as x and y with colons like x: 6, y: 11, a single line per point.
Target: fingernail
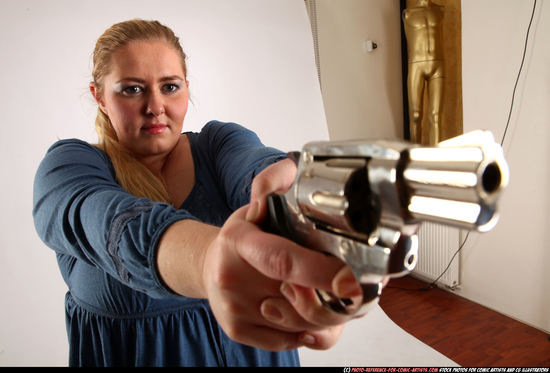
x: 347, y: 287
x: 271, y: 312
x: 288, y: 291
x: 307, y: 339
x: 253, y: 211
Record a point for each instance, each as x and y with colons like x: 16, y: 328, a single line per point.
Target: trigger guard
x: 346, y: 306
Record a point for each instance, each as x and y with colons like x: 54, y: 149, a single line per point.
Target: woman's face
x: 145, y: 95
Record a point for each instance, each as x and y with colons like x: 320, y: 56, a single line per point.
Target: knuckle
x: 280, y: 264
x: 261, y: 184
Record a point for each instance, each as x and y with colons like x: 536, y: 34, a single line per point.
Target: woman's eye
x: 132, y: 90
x: 170, y: 88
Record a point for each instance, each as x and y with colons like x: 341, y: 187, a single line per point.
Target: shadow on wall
x: 394, y: 81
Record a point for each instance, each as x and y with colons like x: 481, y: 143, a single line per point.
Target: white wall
x: 507, y: 269
x: 362, y: 91
x: 250, y: 61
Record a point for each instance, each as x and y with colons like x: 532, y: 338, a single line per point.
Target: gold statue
x: 423, y: 30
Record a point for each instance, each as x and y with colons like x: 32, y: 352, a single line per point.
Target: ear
x: 97, y: 96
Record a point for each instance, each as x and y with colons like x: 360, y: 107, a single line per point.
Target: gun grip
x: 279, y: 222
x: 278, y: 219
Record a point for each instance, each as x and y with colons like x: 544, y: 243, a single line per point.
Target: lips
x: 155, y: 128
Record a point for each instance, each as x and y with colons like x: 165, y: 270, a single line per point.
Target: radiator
x: 436, y: 246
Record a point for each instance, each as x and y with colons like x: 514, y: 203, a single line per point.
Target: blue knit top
x: 118, y: 310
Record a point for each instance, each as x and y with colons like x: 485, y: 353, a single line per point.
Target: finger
x: 345, y: 284
x: 265, y: 337
x: 281, y: 315
x: 306, y: 303
x: 276, y: 178
x: 281, y: 259
x: 322, y: 339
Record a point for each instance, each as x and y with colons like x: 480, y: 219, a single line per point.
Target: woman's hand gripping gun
x: 363, y: 201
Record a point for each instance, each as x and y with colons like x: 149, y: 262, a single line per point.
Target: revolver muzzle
x: 458, y: 182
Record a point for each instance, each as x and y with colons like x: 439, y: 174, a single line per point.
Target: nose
x: 155, y: 104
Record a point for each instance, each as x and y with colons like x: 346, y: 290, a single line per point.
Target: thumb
x: 277, y: 178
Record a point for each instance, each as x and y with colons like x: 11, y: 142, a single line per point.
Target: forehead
x: 146, y: 59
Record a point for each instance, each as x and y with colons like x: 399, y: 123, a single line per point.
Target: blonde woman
x: 155, y: 234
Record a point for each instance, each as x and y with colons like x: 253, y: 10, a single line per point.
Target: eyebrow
x: 139, y: 80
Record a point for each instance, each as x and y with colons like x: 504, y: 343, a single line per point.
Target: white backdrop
x: 250, y: 61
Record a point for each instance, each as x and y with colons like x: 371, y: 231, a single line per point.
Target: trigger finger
x: 307, y: 304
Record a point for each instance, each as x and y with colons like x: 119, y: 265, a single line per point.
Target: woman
x: 154, y: 233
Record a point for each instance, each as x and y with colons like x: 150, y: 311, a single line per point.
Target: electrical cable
x: 433, y: 283
x: 519, y: 72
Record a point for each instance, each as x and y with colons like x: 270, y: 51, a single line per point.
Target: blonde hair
x: 131, y: 174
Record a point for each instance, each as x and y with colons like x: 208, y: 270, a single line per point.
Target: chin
x: 160, y: 145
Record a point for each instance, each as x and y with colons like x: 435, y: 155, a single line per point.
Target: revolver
x: 363, y: 202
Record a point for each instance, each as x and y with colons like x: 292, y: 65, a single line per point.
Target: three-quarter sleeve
x: 80, y: 210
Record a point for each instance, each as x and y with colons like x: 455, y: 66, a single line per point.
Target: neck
x: 155, y: 164
x: 158, y: 163
x: 163, y: 164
